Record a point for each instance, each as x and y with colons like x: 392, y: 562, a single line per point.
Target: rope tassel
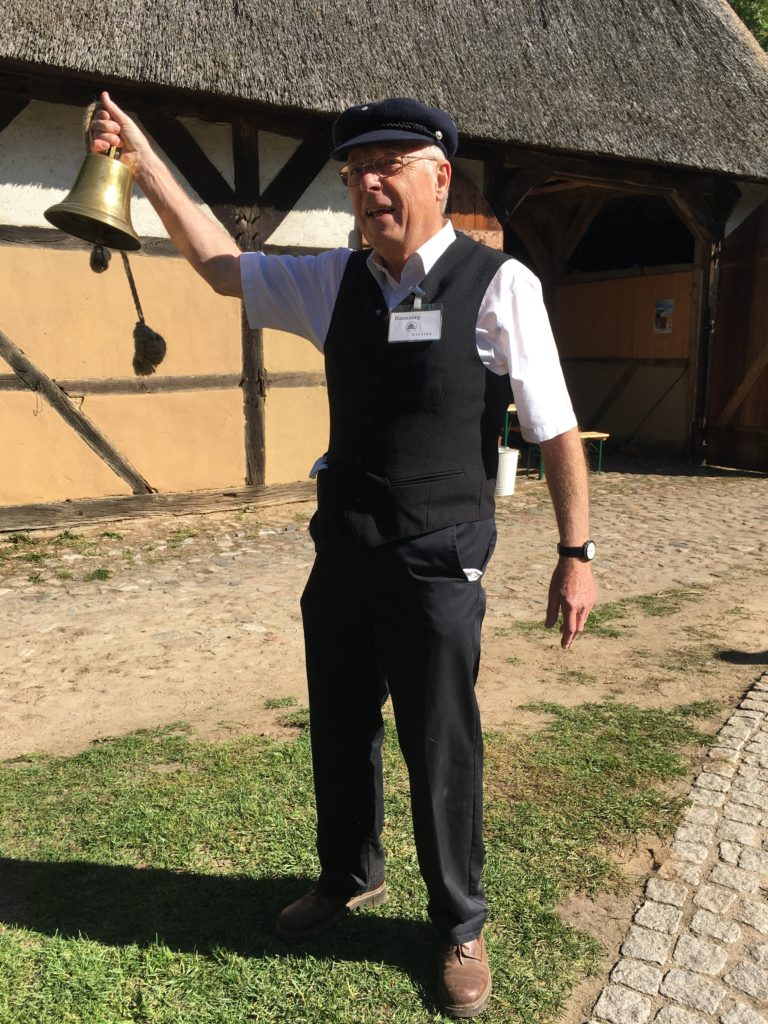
x: 149, y: 347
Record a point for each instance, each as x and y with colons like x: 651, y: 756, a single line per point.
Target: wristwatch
x: 586, y: 551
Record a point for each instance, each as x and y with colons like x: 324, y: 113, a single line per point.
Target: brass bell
x: 98, y: 209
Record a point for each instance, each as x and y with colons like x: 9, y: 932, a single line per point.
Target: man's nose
x: 369, y: 179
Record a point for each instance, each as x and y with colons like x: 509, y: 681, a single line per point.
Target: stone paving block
x: 734, y: 878
x: 696, y: 853
x: 752, y: 705
x: 637, y: 975
x: 754, y: 716
x: 723, y: 754
x: 723, y: 768
x: 693, y: 990
x: 741, y: 1014
x: 623, y: 1006
x: 748, y: 771
x: 703, y: 816
x: 704, y: 922
x: 644, y: 944
x: 759, y: 953
x: 682, y: 871
x: 695, y: 834
x: 754, y: 860
x: 738, y: 812
x: 700, y: 955
x: 660, y: 917
x: 738, y: 832
x: 753, y: 913
x: 726, y: 738
x: 666, y: 892
x: 676, y: 1015
x: 757, y: 695
x: 740, y: 796
x: 746, y: 784
x: 729, y: 852
x: 707, y: 798
x: 715, y: 898
x: 710, y: 780
x: 749, y: 978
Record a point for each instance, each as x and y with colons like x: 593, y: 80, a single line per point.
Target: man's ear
x: 443, y: 180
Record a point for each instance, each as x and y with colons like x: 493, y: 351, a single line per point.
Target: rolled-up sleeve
x: 514, y: 336
x: 296, y: 294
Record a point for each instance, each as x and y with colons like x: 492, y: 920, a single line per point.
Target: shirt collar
x: 418, y: 265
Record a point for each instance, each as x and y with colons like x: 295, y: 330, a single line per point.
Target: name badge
x: 409, y: 324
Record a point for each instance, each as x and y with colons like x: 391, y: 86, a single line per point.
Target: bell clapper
x: 100, y: 257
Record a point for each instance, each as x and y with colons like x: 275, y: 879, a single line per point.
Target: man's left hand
x: 573, y: 591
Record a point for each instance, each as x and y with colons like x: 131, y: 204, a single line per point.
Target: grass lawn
x: 139, y: 880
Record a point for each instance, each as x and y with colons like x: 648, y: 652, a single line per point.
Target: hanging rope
x: 149, y: 346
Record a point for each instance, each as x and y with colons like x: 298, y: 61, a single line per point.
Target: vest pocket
x: 428, y: 478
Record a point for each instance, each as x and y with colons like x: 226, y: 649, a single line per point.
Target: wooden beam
x: 38, y: 382
x: 78, y: 88
x: 694, y: 212
x: 249, y: 235
x: 59, y: 515
x: 296, y: 379
x: 133, y: 386
x: 50, y: 238
x: 11, y: 105
x: 751, y: 377
x: 254, y: 393
x: 180, y: 146
x: 578, y: 227
x: 291, y: 182
x: 245, y: 159
x: 507, y: 189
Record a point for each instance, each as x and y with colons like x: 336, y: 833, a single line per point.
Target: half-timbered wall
x: 182, y: 428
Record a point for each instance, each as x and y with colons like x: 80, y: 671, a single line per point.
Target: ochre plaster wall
x: 42, y: 459
x: 297, y: 432
x: 75, y: 324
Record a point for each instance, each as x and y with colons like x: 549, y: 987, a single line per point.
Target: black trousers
x: 401, y: 620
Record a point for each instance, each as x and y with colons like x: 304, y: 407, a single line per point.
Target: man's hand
x: 111, y: 126
x: 572, y: 589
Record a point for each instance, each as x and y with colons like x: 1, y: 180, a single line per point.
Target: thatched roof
x: 674, y: 82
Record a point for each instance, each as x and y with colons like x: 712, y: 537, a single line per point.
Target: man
x: 421, y: 338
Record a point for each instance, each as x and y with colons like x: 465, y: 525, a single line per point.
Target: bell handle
x: 90, y: 110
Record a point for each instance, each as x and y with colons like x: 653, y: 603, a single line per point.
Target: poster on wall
x: 662, y: 321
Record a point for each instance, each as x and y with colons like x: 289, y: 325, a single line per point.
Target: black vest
x: 414, y: 425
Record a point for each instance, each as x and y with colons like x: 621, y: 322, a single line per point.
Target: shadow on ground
x: 188, y: 912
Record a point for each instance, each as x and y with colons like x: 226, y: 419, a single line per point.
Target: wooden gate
x: 737, y: 405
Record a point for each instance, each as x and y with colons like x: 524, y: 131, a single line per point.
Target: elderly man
x: 422, y: 337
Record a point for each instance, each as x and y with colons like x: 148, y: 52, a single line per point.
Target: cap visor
x: 382, y: 135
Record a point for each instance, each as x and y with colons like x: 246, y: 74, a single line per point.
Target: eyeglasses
x: 383, y: 166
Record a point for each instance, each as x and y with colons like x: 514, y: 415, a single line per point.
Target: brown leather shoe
x: 313, y: 912
x: 464, y: 981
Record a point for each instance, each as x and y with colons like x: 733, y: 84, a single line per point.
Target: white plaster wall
x: 42, y: 149
x: 321, y: 217
x: 274, y: 152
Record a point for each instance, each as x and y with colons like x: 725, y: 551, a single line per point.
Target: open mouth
x: 378, y: 211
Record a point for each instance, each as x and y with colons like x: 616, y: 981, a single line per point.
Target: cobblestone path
x: 697, y: 950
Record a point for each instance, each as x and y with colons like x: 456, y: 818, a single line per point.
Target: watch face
x: 589, y: 550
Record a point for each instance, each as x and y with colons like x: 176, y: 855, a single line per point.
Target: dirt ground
x: 138, y: 623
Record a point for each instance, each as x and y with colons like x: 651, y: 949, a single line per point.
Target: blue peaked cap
x: 393, y: 120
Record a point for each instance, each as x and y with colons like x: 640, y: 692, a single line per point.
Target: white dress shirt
x: 513, y: 335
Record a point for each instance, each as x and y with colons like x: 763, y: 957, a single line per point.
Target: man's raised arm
x: 206, y: 245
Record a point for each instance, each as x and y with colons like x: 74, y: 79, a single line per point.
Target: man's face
x: 397, y: 214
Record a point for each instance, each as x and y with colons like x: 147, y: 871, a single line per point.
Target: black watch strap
x: 586, y: 551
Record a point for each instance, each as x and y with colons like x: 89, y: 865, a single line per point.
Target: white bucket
x: 507, y: 474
